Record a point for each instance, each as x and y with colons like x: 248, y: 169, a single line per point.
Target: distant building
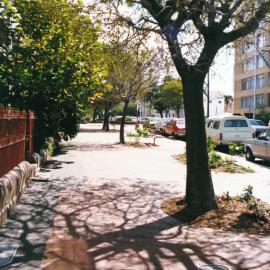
x: 251, y: 73
x: 216, y: 104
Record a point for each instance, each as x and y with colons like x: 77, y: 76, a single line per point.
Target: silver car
x: 257, y: 126
x: 259, y: 147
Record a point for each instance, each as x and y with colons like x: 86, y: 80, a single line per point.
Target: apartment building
x: 252, y: 74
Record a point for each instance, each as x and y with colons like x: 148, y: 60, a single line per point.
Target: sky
x: 222, y: 72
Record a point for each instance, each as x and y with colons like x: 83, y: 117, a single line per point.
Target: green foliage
x: 139, y: 133
x: 10, y: 34
x: 210, y: 145
x: 167, y: 96
x: 236, y: 149
x: 131, y: 109
x: 264, y: 116
x: 247, y: 193
x: 215, y: 159
x: 49, y: 146
x: 56, y: 67
x: 258, y: 209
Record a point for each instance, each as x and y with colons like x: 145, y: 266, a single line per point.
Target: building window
x: 260, y: 40
x: 268, y: 99
x: 247, y: 102
x: 269, y: 79
x: 248, y: 83
x: 260, y: 62
x: 248, y: 46
x: 248, y: 65
x: 259, y: 101
x: 260, y: 81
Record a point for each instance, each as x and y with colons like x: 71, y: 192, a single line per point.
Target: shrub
x: 140, y: 132
x: 247, y: 194
x: 215, y: 159
x: 236, y: 149
x: 257, y: 208
x: 210, y: 145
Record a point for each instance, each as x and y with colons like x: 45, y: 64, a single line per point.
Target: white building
x: 216, y: 104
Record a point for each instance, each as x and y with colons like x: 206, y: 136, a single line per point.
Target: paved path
x: 97, y: 206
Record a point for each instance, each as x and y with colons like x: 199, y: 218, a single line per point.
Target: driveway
x: 97, y: 206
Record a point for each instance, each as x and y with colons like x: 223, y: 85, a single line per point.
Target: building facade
x: 252, y: 74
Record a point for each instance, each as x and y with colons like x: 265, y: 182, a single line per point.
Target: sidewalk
x: 98, y: 207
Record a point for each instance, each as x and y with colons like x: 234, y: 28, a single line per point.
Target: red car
x: 175, y: 127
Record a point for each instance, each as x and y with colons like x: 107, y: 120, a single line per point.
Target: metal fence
x: 16, y: 128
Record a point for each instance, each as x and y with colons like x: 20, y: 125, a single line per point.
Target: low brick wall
x: 12, y: 185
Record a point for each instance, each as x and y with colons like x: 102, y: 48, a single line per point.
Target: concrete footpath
x: 97, y: 207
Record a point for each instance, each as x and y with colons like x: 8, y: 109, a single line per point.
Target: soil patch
x: 139, y: 144
x: 232, y: 215
x: 228, y: 166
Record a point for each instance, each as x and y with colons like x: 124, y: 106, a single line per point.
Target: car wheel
x: 249, y: 155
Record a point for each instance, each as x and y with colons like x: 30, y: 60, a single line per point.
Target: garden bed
x: 231, y: 215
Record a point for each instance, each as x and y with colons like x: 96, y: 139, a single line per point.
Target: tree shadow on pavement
x: 117, y: 224
x: 90, y: 147
x: 91, y: 130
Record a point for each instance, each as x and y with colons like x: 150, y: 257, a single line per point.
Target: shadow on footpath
x: 92, y: 130
x: 114, y: 225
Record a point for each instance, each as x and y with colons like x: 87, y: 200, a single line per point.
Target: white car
x: 228, y: 129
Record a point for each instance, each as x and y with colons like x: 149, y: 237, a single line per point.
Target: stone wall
x: 12, y: 185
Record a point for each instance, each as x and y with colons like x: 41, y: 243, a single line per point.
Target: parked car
x: 257, y: 126
x: 228, y: 129
x: 160, y: 123
x: 259, y: 147
x: 152, y: 121
x: 142, y: 120
x: 175, y: 127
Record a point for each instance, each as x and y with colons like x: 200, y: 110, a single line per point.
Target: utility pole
x: 206, y: 92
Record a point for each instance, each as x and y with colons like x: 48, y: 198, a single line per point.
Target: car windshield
x: 257, y: 122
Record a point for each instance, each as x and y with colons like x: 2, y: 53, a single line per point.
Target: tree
x: 131, y: 73
x: 10, y: 34
x: 228, y: 99
x: 56, y: 66
x: 195, y: 30
x: 172, y: 94
x: 167, y: 96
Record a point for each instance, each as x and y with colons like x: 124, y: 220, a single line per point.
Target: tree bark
x: 94, y: 115
x: 106, y: 123
x: 122, y: 124
x: 200, y: 196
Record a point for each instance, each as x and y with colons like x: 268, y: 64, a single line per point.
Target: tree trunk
x: 122, y: 124
x: 106, y: 123
x: 200, y: 196
x: 94, y: 115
